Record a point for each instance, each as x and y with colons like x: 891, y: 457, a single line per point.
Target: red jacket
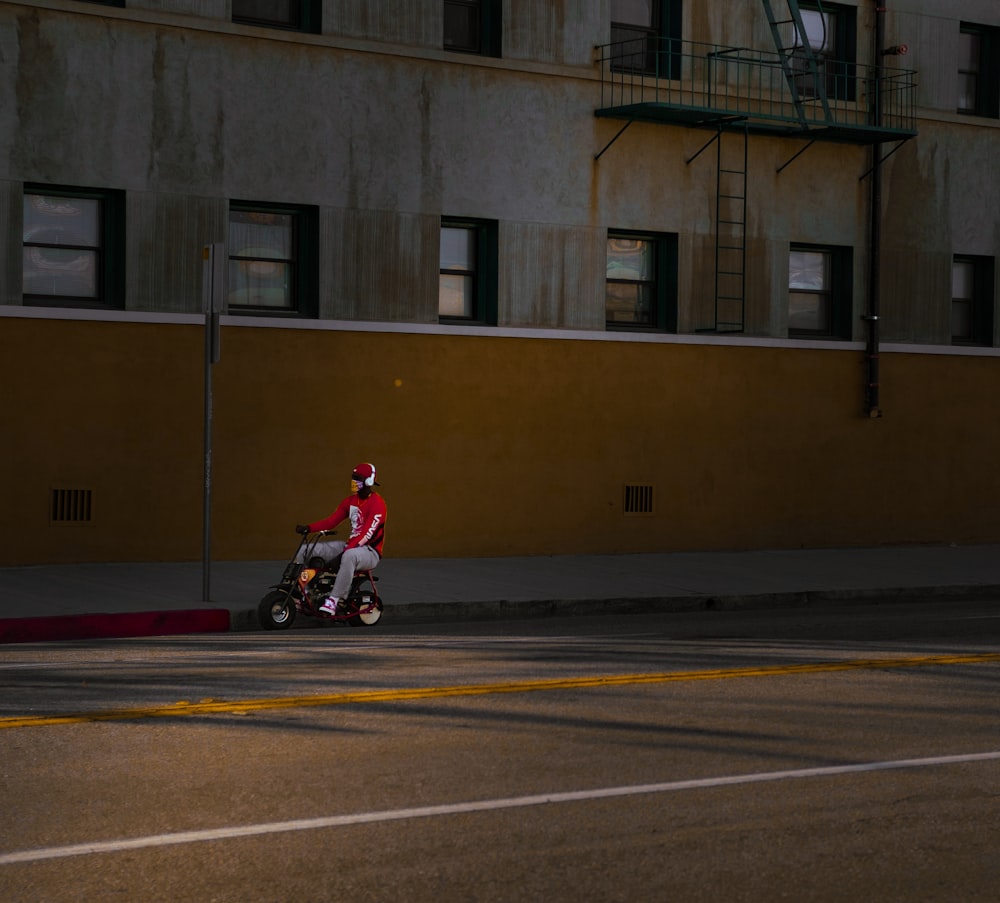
x: 367, y: 518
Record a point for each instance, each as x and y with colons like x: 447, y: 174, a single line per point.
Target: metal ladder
x: 730, y: 226
x: 730, y: 231
x: 799, y: 51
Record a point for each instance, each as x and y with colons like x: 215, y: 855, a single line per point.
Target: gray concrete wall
x: 372, y: 265
x: 164, y: 241
x: 416, y: 23
x: 382, y: 131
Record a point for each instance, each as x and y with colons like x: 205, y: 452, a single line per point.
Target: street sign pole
x: 213, y: 257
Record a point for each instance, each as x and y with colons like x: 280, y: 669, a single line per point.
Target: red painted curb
x: 111, y: 626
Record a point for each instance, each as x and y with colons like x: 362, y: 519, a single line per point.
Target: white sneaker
x: 329, y: 607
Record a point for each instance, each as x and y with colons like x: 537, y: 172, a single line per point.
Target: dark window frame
x: 663, y: 285
x: 110, y: 250
x: 987, y: 92
x: 304, y: 264
x: 486, y: 33
x: 981, y: 301
x: 840, y: 66
x: 657, y: 46
x: 486, y: 274
x: 306, y: 17
x: 840, y: 292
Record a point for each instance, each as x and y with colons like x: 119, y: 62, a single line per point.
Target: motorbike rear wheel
x: 367, y: 606
x: 276, y: 610
x: 367, y: 617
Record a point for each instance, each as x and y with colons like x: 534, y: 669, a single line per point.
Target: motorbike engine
x: 321, y: 586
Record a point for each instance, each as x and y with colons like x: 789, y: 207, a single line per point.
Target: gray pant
x: 360, y: 559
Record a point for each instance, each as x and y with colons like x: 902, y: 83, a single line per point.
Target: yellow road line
x: 223, y: 707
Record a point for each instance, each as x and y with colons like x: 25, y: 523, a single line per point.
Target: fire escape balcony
x: 784, y: 94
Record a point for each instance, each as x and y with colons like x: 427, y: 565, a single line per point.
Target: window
x: 972, y: 301
x: 979, y: 71
x: 641, y: 281
x: 295, y: 15
x: 646, y: 35
x: 832, y: 34
x: 819, y: 292
x: 467, y: 286
x: 473, y: 26
x: 273, y: 257
x: 73, y: 247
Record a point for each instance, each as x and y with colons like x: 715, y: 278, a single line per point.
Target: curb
x: 428, y: 612
x: 114, y: 626
x: 413, y: 613
x: 221, y: 620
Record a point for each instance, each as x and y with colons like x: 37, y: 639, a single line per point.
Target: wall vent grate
x: 71, y: 506
x: 638, y: 500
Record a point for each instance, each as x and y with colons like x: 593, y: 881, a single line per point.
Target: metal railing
x: 762, y: 87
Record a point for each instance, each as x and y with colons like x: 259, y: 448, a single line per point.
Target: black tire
x: 276, y: 610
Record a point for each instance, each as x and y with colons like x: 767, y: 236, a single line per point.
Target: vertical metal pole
x: 743, y: 227
x: 206, y: 526
x: 872, y: 408
x: 718, y: 223
x: 212, y: 273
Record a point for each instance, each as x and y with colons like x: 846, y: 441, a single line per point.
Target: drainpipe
x: 871, y: 318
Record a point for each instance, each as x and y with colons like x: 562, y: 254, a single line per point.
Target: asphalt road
x: 839, y: 754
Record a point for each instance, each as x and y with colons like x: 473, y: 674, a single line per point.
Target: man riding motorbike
x: 362, y: 551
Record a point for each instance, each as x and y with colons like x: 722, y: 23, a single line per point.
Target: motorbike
x: 306, y: 582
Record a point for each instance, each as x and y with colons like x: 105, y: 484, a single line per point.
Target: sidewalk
x: 56, y: 602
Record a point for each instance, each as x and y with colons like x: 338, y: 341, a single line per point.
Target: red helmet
x: 365, y: 474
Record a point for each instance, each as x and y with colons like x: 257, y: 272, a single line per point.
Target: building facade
x: 577, y: 275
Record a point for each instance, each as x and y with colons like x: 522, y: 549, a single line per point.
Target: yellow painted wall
x: 485, y: 445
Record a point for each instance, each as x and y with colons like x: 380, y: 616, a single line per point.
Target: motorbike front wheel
x: 276, y: 611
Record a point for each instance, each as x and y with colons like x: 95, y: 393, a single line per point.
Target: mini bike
x: 304, y: 586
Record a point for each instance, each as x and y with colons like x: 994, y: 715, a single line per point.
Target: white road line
x: 360, y: 818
